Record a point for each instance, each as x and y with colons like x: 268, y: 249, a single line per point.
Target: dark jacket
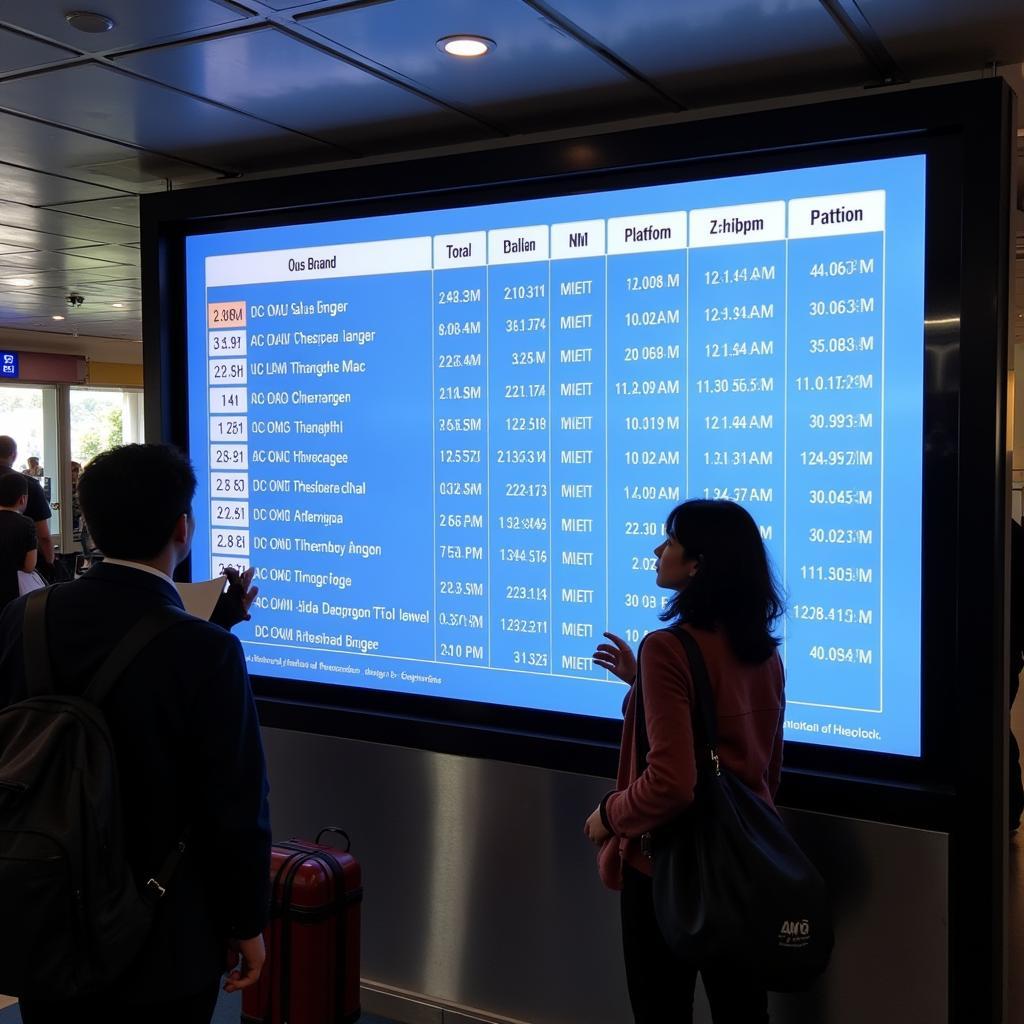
x: 189, y: 754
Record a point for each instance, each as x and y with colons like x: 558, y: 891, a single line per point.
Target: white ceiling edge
x: 103, y: 350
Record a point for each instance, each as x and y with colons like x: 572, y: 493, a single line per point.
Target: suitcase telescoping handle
x: 336, y: 831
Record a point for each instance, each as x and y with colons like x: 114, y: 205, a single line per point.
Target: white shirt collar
x: 139, y: 566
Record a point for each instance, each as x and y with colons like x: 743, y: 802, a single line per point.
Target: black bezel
x: 941, y: 123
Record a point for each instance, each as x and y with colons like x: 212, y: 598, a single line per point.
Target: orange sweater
x: 749, y: 700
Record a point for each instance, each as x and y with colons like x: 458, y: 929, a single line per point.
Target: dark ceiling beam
x: 570, y: 28
x: 849, y: 17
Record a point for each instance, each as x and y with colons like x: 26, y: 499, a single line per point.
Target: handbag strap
x: 704, y: 716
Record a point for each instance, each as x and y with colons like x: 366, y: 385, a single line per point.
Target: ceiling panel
x: 535, y: 77
x: 23, y: 185
x: 18, y: 52
x: 88, y: 229
x: 935, y: 36
x: 703, y: 52
x: 99, y: 275
x: 120, y: 106
x: 136, y: 22
x: 33, y: 143
x: 289, y: 5
x: 28, y: 238
x: 272, y: 75
x: 124, y: 254
x: 123, y: 210
x: 43, y: 260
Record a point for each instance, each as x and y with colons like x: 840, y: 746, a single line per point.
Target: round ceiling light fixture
x: 56, y: 316
x: 118, y: 305
x: 22, y: 282
x: 89, y: 21
x: 465, y: 46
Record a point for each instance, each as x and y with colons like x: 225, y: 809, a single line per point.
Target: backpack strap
x: 147, y: 629
x: 38, y: 667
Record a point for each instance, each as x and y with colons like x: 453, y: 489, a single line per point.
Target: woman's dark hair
x: 132, y: 496
x: 13, y: 486
x: 734, y: 589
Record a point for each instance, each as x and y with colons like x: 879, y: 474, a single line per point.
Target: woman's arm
x: 665, y: 787
x: 30, y: 560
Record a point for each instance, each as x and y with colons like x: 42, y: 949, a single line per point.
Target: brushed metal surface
x: 480, y: 890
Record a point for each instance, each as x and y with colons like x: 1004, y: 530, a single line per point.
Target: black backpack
x: 73, y: 916
x: 730, y: 882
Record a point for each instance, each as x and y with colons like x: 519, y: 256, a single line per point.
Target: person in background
x: 186, y: 737
x: 79, y: 531
x: 32, y: 468
x: 37, y: 509
x: 17, y: 535
x: 714, y: 560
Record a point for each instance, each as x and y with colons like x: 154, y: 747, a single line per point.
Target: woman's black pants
x: 661, y: 987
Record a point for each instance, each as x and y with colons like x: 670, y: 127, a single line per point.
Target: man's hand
x: 244, y: 963
x: 240, y: 588
x: 594, y: 828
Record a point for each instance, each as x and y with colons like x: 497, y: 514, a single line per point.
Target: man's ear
x: 180, y: 535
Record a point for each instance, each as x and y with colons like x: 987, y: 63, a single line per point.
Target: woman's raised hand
x: 617, y: 657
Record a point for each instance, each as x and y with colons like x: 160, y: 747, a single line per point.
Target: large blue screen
x: 448, y: 439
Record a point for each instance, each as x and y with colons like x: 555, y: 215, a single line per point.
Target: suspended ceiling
x: 182, y: 92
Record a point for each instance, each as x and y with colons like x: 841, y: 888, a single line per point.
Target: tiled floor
x: 228, y: 1012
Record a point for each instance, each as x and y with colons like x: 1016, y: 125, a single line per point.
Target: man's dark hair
x: 13, y: 486
x: 8, y: 447
x: 132, y: 496
x: 734, y: 588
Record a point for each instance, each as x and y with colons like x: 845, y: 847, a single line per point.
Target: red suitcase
x: 312, y: 971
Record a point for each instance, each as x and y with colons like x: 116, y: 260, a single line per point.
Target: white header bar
x: 650, y: 232
x: 468, y: 249
x: 518, y: 245
x: 851, y: 213
x: 578, y: 239
x: 731, y: 225
x: 355, y: 259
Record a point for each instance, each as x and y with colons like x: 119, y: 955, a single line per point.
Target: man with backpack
x: 129, y: 865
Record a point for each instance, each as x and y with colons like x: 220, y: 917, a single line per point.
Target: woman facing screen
x: 714, y: 560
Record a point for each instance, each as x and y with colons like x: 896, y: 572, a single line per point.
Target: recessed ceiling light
x: 118, y: 305
x: 56, y: 316
x: 466, y: 46
x: 22, y: 282
x: 89, y: 21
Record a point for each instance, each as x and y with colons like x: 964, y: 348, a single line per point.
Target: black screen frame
x: 941, y: 123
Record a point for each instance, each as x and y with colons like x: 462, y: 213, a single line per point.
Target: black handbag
x: 730, y: 882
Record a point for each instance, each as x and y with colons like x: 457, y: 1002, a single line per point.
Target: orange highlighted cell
x: 225, y: 314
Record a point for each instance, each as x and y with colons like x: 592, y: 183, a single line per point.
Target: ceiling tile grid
x: 203, y: 91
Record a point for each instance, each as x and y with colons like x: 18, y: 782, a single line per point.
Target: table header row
x: 811, y: 217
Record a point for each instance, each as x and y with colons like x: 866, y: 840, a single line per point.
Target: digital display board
x: 448, y: 439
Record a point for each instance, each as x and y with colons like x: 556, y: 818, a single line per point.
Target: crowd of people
x: 190, y: 755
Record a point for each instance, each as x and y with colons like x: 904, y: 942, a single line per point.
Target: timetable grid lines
x: 785, y: 461
x: 433, y: 437
x: 585, y: 376
x: 881, y: 501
